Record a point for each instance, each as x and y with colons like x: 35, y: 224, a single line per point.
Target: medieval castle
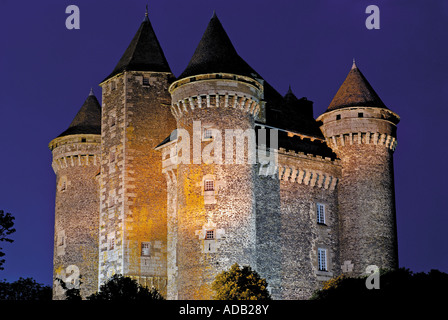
x: 132, y: 197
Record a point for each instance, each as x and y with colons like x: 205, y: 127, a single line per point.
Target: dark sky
x: 46, y: 72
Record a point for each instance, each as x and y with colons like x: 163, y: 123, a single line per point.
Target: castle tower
x: 212, y: 212
x: 76, y: 162
x: 136, y: 117
x: 362, y: 131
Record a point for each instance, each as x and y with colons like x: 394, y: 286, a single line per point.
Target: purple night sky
x: 48, y: 70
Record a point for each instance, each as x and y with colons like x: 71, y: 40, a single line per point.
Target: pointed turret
x: 215, y: 53
x: 355, y: 91
x: 144, y: 53
x: 76, y: 162
x: 363, y: 133
x: 88, y: 118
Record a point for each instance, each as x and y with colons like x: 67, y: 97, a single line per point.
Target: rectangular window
x: 208, y: 133
x: 111, y: 242
x: 113, y: 85
x: 145, y: 81
x: 338, y: 117
x: 320, y: 208
x: 209, y: 185
x: 322, y: 259
x: 145, y: 249
x: 61, y: 238
x: 360, y: 115
x: 210, y: 235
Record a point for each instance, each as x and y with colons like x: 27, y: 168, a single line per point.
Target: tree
x: 72, y: 294
x: 120, y: 288
x: 240, y: 284
x: 400, y: 284
x: 24, y: 289
x: 6, y: 228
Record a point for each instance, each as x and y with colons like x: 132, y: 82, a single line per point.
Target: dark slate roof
x: 355, y: 91
x: 215, y: 53
x: 171, y: 137
x: 87, y: 120
x: 144, y: 53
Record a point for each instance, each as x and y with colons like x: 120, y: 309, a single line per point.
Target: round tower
x: 76, y: 163
x: 215, y: 102
x: 362, y: 131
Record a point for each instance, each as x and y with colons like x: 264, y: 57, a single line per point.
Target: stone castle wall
x: 134, y: 107
x: 306, y: 181
x: 364, y: 139
x: 76, y: 163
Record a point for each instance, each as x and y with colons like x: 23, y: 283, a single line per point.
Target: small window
x: 360, y: 115
x: 61, y: 239
x: 322, y: 259
x: 208, y: 133
x: 145, y: 81
x: 338, y: 117
x: 111, y: 242
x: 209, y: 185
x: 145, y: 249
x: 63, y: 184
x: 83, y: 140
x: 210, y: 235
x: 112, y: 121
x: 113, y: 86
x: 320, y: 211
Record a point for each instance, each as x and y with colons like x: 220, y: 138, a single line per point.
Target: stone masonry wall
x: 367, y: 201
x: 229, y: 210
x: 364, y: 139
x: 76, y: 165
x: 305, y: 181
x: 136, y: 117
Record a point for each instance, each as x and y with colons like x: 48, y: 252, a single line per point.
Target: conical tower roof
x: 290, y: 97
x: 88, y: 118
x: 144, y: 53
x: 215, y: 53
x: 356, y: 91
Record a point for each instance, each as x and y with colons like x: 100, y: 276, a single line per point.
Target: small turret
x: 76, y: 162
x: 362, y: 131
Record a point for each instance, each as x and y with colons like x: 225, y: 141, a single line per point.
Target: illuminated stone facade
x: 161, y: 185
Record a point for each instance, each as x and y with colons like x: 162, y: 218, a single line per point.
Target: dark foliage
x: 401, y: 284
x: 120, y: 288
x: 24, y: 289
x: 72, y: 294
x: 6, y: 228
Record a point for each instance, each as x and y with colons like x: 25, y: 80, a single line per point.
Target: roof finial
x: 91, y: 92
x: 354, y: 64
x: 146, y: 13
x: 214, y: 14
